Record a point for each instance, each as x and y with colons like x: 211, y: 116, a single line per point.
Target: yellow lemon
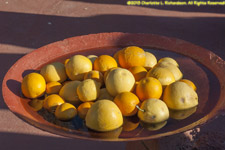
x: 77, y: 66
x: 180, y: 96
x: 119, y: 80
x: 104, y: 115
x: 164, y: 75
x: 88, y: 90
x: 95, y: 75
x: 65, y: 112
x: 150, y: 61
x: 36, y: 104
x: 173, y: 69
x: 168, y: 60
x: 68, y: 92
x: 33, y: 85
x: 52, y: 101
x: 53, y: 87
x: 153, y: 111
x: 54, y: 72
x: 190, y: 83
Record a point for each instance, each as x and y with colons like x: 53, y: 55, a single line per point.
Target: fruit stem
x: 140, y: 108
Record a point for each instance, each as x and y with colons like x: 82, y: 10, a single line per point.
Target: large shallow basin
x: 203, y: 67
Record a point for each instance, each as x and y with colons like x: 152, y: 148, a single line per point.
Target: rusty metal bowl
x: 200, y: 65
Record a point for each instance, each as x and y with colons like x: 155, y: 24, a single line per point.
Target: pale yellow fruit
x: 52, y: 101
x: 104, y: 94
x: 36, y: 104
x: 33, y: 85
x: 164, y: 75
x: 119, y: 80
x: 153, y: 111
x: 173, y: 69
x: 54, y: 72
x: 88, y: 90
x: 53, y: 87
x: 92, y: 58
x: 68, y: 92
x: 180, y: 96
x: 77, y: 66
x: 168, y: 60
x: 95, y: 75
x: 104, y: 115
x: 150, y: 61
x: 182, y: 114
x: 65, y: 112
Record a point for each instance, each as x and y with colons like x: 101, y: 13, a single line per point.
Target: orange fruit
x: 95, y: 75
x: 83, y: 109
x: 190, y: 83
x: 53, y: 87
x: 139, y: 72
x: 149, y: 87
x: 116, y: 55
x: 132, y: 56
x: 127, y: 102
x: 104, y: 62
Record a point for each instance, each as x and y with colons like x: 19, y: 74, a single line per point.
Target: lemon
x: 36, y: 104
x: 104, y: 94
x: 53, y: 87
x: 77, y: 66
x: 52, y: 101
x: 33, y: 85
x: 104, y: 115
x: 95, y: 75
x: 65, y: 112
x: 173, y: 69
x: 153, y: 111
x: 180, y: 96
x: 190, y: 83
x: 164, y: 75
x: 54, y: 72
x: 150, y: 61
x: 168, y: 60
x: 68, y: 92
x: 88, y: 90
x: 119, y: 80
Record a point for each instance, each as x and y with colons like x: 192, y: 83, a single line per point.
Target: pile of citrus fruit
x: 106, y: 90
